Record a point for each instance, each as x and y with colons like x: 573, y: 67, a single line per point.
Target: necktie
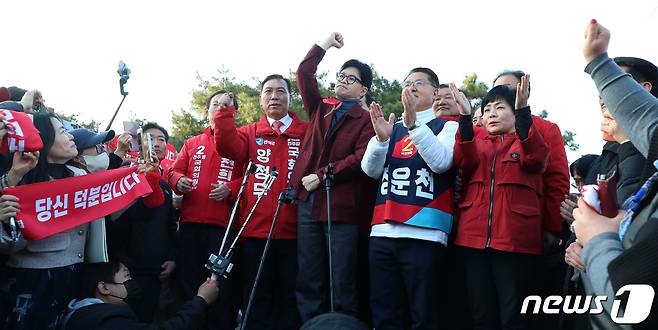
x: 276, y: 125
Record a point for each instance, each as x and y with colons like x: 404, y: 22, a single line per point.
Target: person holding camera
x: 107, y: 296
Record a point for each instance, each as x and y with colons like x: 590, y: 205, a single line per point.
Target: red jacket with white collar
x: 261, y: 144
x: 198, y: 160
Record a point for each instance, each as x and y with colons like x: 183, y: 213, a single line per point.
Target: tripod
x: 284, y: 197
x: 220, y: 265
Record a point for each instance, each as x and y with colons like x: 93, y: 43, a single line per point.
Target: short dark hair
x: 276, y: 76
x: 499, y: 93
x: 582, y: 166
x: 518, y: 74
x: 96, y: 272
x: 152, y: 125
x: 365, y: 72
x: 219, y: 92
x: 641, y: 70
x: 433, y: 78
x: 443, y: 86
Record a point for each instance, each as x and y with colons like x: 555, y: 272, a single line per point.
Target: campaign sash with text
x: 48, y: 208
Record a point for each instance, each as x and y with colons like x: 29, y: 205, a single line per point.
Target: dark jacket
x: 143, y: 237
x: 630, y: 166
x: 344, y: 145
x: 627, y: 161
x: 102, y: 316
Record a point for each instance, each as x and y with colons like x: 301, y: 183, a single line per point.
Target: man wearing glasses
x: 413, y: 215
x: 338, y: 133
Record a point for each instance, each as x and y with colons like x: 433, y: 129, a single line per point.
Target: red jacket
x: 261, y: 144
x: 556, y: 177
x: 344, y: 145
x: 199, y: 161
x: 513, y: 223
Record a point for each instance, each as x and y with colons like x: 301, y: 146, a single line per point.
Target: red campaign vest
x: 199, y: 161
x: 267, y: 149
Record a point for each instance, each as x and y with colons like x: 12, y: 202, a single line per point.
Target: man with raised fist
x: 338, y: 134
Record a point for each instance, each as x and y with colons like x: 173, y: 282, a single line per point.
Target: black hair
x: 368, y: 98
x: 41, y: 172
x: 443, y: 86
x: 219, y: 92
x: 276, y: 76
x: 433, y: 78
x: 583, y: 166
x: 365, y: 72
x: 152, y: 125
x: 94, y: 273
x: 641, y: 70
x: 499, y: 93
x: 518, y: 74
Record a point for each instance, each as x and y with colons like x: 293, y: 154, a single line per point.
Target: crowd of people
x: 448, y: 218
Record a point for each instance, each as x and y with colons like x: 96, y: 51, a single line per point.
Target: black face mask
x: 134, y: 293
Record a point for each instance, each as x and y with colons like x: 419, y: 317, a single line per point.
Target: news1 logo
x: 637, y: 309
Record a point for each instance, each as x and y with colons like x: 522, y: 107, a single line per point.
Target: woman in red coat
x: 500, y: 229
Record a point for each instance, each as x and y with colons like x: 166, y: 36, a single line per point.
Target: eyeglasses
x: 348, y: 79
x: 417, y: 83
x: 101, y: 148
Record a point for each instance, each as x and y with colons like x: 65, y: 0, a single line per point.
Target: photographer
x: 144, y: 236
x: 107, y: 292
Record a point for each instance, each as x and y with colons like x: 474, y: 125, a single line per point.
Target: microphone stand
x: 284, y: 197
x: 328, y: 183
x: 220, y: 265
x: 251, y: 168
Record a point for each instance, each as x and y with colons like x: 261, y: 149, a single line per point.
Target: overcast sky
x: 70, y: 49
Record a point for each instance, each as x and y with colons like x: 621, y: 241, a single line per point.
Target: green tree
x: 569, y: 140
x: 473, y: 89
x: 568, y: 137
x: 387, y: 93
x: 185, y: 125
x: 75, y: 119
x: 249, y: 109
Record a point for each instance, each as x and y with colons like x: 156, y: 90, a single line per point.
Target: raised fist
x: 597, y: 39
x: 335, y: 39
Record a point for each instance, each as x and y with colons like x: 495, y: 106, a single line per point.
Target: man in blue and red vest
x: 414, y: 207
x: 274, y: 141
